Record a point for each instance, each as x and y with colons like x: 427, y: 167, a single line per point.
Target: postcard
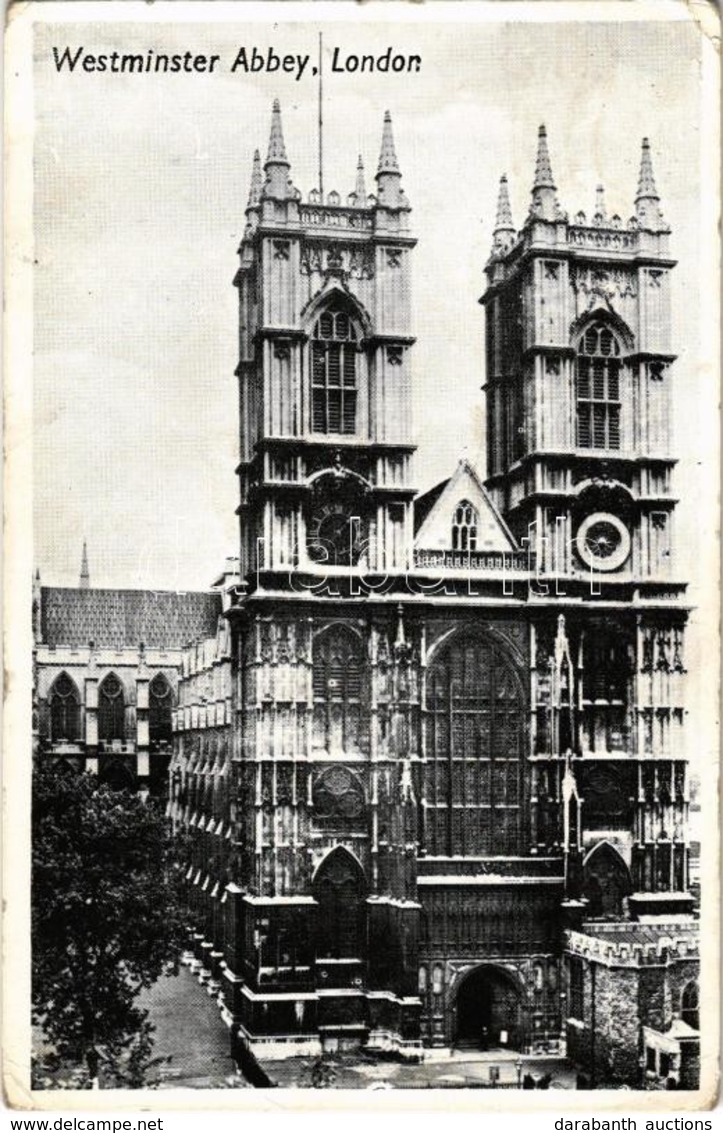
x: 361, y: 606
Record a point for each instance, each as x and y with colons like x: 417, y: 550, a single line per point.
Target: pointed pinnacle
x: 646, y: 181
x: 600, y: 201
x: 277, y: 150
x: 387, y: 158
x: 503, y: 223
x: 84, y: 571
x: 256, y: 182
x: 543, y: 168
x: 360, y: 188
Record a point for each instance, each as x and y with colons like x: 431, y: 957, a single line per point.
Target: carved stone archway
x: 489, y: 1010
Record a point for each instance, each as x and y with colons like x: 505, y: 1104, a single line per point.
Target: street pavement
x: 438, y: 1070
x: 191, y: 1045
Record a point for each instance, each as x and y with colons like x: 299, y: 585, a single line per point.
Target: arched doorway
x: 117, y: 776
x: 340, y: 888
x: 489, y: 1011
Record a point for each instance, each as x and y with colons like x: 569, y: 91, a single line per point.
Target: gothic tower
x: 324, y: 292
x: 578, y: 382
x: 325, y: 806
x: 579, y: 461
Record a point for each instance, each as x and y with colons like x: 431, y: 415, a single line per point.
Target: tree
x: 108, y: 919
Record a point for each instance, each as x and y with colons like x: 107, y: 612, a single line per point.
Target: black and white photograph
x: 362, y: 465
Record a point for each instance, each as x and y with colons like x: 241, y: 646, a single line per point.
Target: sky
x: 139, y: 194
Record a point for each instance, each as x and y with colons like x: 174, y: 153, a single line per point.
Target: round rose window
x: 603, y: 541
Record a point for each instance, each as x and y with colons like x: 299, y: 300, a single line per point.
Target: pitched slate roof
x: 114, y: 619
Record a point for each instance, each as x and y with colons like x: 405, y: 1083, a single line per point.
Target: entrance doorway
x: 340, y: 889
x: 489, y: 1014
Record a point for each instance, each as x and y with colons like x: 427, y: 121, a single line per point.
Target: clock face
x: 603, y: 541
x: 335, y: 535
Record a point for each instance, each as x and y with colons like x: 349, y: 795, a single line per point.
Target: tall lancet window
x: 64, y: 710
x: 598, y: 388
x: 160, y: 707
x: 111, y: 710
x: 334, y: 352
x: 464, y: 527
x: 340, y: 723
x: 475, y: 751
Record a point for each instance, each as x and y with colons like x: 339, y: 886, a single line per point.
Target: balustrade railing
x: 475, y: 560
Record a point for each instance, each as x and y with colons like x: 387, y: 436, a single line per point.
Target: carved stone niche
x: 338, y: 797
x: 282, y: 349
x: 608, y: 796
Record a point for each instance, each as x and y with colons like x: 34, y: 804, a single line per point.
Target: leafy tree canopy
x: 107, y: 920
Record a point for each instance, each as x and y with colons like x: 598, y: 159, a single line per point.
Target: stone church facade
x: 433, y: 761
x: 106, y: 665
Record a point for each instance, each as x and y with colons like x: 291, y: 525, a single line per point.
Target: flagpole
x: 321, y: 124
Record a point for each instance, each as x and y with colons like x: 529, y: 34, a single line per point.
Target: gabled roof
x: 434, y: 513
x: 117, y: 619
x: 424, y: 503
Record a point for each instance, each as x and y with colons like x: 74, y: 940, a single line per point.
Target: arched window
x: 689, y: 1005
x: 606, y: 882
x: 339, y: 686
x: 340, y: 889
x: 606, y: 693
x: 464, y: 527
x: 111, y: 710
x: 475, y: 751
x: 598, y: 388
x: 160, y: 704
x: 64, y: 711
x: 334, y: 351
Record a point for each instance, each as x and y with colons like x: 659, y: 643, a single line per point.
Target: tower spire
x: 277, y: 149
x: 504, y: 230
x: 388, y: 175
x: 360, y: 191
x: 647, y: 202
x: 256, y: 182
x: 388, y: 158
x: 543, y: 166
x: 276, y: 167
x: 545, y: 205
x: 254, y: 202
x: 84, y: 571
x: 646, y: 181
